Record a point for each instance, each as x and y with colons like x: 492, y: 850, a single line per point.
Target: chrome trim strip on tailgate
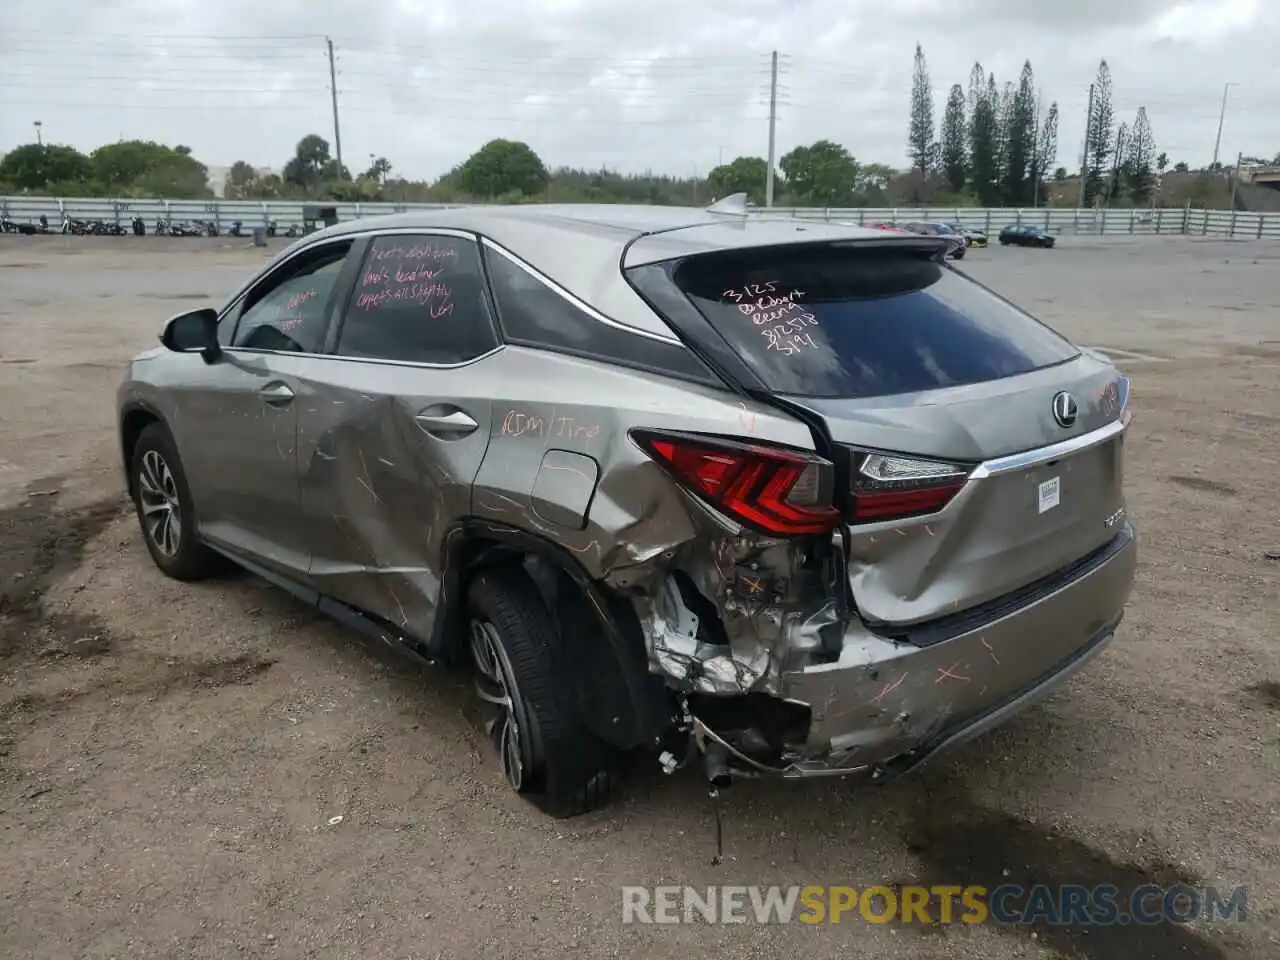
x: 1055, y: 451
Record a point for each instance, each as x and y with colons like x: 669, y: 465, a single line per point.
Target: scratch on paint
x: 928, y: 529
x: 490, y: 507
x: 366, y: 483
x: 548, y: 466
x: 990, y: 651
x: 948, y: 673
x: 901, y: 533
x: 385, y: 462
x: 888, y: 689
x: 404, y: 617
x: 585, y: 548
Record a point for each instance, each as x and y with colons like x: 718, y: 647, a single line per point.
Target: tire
x: 165, y: 511
x: 547, y: 753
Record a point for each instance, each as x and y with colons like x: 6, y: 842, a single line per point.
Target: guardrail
x: 253, y: 213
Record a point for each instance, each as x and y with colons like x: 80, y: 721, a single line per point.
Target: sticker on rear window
x: 1049, y: 494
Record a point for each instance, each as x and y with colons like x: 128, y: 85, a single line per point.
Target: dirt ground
x: 173, y: 759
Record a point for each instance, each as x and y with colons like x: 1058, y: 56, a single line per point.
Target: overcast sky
x: 667, y: 85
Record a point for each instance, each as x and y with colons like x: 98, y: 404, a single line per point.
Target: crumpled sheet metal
x: 766, y: 635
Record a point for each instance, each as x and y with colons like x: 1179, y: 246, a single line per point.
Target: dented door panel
x: 378, y: 491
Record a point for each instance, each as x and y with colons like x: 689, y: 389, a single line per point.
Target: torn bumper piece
x: 883, y: 707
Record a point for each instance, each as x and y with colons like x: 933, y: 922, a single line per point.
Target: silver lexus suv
x: 771, y: 497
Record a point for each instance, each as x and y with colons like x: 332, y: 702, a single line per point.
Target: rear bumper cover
x: 884, y: 707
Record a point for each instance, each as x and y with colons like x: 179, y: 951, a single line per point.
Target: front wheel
x: 526, y: 684
x: 165, y: 511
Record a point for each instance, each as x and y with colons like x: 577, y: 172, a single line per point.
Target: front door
x: 239, y: 414
x: 401, y: 420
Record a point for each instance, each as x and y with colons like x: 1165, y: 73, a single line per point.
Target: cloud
x: 662, y: 85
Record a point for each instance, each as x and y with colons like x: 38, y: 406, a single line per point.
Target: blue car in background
x: 1025, y: 235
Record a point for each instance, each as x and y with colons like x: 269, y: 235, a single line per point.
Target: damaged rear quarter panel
x: 642, y: 534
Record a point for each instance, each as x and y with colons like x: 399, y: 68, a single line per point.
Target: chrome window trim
x: 1055, y: 451
x: 393, y: 363
x: 574, y: 301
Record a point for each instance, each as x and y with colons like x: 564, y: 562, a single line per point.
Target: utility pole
x: 39, y: 134
x: 1222, y: 115
x: 333, y: 91
x: 1235, y: 181
x: 1084, y: 155
x: 773, y: 128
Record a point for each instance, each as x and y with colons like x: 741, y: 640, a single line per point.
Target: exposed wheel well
x: 622, y: 702
x: 131, y: 427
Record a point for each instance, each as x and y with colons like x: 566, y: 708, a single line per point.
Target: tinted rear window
x: 855, y: 322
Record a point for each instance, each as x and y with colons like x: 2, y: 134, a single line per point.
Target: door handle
x: 456, y: 423
x: 276, y: 394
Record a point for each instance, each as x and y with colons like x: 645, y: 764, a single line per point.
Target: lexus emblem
x: 1065, y: 410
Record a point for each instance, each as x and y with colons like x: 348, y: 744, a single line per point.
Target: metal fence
x: 252, y: 213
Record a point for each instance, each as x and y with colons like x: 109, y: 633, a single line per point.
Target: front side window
x: 419, y: 298
x: 289, y: 312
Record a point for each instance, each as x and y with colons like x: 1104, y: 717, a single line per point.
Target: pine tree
x: 1099, y: 145
x: 954, y: 154
x: 922, y: 144
x: 983, y: 171
x: 1140, y: 160
x: 1119, y: 158
x: 1002, y: 98
x: 1019, y: 136
x: 1047, y: 144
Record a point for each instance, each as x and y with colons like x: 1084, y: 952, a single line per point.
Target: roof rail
x: 735, y: 203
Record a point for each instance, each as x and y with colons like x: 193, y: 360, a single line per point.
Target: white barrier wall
x: 252, y: 213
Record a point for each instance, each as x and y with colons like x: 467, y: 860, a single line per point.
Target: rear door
x: 396, y: 425
x: 979, y: 450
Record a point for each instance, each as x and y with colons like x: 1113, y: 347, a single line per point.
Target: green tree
x: 922, y: 144
x: 37, y: 167
x: 1047, y: 145
x: 1140, y: 160
x: 310, y: 163
x: 822, y: 173
x: 1060, y: 174
x: 143, y: 168
x: 1119, y: 154
x: 743, y: 175
x: 379, y: 170
x: 953, y: 153
x: 503, y: 167
x: 984, y: 171
x: 1019, y: 137
x: 1099, y: 145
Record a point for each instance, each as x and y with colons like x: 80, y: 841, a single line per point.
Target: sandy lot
x: 172, y: 758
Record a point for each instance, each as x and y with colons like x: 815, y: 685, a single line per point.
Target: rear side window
x: 533, y: 314
x: 420, y: 299
x: 864, y: 321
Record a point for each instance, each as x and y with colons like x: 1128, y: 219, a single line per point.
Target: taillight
x: 887, y: 487
x: 776, y: 490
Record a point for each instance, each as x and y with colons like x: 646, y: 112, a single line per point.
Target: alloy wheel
x: 160, y: 504
x: 495, y: 686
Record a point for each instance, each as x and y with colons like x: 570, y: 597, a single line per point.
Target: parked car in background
x: 798, y: 501
x: 1025, y: 235
x: 934, y: 228
x: 973, y: 236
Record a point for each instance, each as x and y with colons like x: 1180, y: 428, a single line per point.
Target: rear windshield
x: 856, y: 322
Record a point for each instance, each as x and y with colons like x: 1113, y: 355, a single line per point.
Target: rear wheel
x: 526, y: 685
x: 165, y: 510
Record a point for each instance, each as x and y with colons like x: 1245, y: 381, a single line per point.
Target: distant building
x: 218, y: 177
